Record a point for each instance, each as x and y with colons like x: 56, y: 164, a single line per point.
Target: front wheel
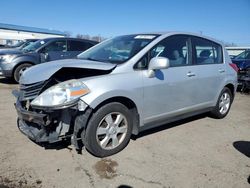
x: 108, y: 130
x: 19, y: 71
x: 223, y: 104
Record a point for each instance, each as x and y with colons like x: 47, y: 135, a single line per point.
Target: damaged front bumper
x: 35, y: 125
x: 50, y: 126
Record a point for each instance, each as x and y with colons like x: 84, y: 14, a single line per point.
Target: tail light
x: 234, y: 67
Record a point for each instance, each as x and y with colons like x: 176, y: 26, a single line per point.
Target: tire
x: 19, y: 69
x: 222, y: 107
x: 109, y: 130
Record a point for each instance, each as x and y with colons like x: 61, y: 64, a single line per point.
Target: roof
x: 30, y: 29
x: 70, y: 38
x: 169, y: 33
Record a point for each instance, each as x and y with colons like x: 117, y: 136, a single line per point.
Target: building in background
x: 236, y: 50
x: 11, y: 34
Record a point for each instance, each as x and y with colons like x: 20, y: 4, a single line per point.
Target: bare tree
x: 81, y: 36
x: 68, y: 33
x: 95, y: 38
x: 228, y: 44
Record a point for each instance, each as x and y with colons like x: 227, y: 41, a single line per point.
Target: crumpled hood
x: 10, y: 51
x: 44, y: 71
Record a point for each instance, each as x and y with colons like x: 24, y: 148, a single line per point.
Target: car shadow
x: 124, y: 186
x: 243, y: 147
x: 66, y: 143
x: 169, y: 126
x: 55, y: 146
x: 4, y: 80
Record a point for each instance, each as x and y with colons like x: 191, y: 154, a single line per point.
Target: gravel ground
x: 196, y: 152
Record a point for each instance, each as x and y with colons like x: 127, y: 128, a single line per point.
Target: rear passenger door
x: 76, y: 47
x: 209, y: 69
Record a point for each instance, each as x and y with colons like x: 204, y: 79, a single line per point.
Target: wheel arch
x: 130, y: 104
x: 21, y: 63
x: 231, y: 88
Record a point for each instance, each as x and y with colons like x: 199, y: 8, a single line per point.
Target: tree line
x: 97, y: 38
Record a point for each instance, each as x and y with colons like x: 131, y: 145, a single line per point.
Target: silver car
x: 123, y: 86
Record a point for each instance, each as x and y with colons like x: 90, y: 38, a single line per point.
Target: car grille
x: 31, y: 91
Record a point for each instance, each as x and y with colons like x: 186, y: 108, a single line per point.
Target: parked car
x: 242, y: 60
x: 123, y: 86
x: 25, y: 43
x: 243, y: 63
x: 14, y: 62
x: 233, y: 51
x: 19, y: 45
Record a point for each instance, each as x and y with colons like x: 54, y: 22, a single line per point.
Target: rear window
x: 207, y: 52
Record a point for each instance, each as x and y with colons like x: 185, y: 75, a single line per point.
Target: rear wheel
x: 108, y: 130
x: 19, y: 71
x: 223, y: 104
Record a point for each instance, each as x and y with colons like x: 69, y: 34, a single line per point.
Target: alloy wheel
x: 224, y: 103
x: 112, y: 130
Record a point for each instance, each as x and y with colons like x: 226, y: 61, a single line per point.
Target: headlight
x: 6, y: 58
x: 61, y: 94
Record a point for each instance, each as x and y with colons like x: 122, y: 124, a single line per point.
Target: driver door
x: 171, y: 91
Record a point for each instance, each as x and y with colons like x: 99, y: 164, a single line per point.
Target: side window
x: 206, y: 52
x: 175, y: 48
x: 74, y: 45
x: 56, y: 46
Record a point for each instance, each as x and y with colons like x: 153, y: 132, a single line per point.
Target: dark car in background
x: 14, y: 62
x: 243, y: 63
x: 242, y: 60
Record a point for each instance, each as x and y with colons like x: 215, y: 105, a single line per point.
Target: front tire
x: 19, y: 70
x: 109, y: 130
x: 223, y: 104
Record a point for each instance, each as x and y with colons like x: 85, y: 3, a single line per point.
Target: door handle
x: 221, y: 70
x: 190, y: 74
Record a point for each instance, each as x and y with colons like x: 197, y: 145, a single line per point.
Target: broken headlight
x: 62, y: 94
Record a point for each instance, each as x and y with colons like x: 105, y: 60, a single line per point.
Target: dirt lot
x: 197, y: 152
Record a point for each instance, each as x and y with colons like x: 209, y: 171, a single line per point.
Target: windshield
x: 25, y: 44
x: 243, y: 55
x: 35, y: 45
x: 18, y: 44
x: 119, y: 49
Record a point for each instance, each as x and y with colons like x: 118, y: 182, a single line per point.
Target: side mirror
x: 157, y: 63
